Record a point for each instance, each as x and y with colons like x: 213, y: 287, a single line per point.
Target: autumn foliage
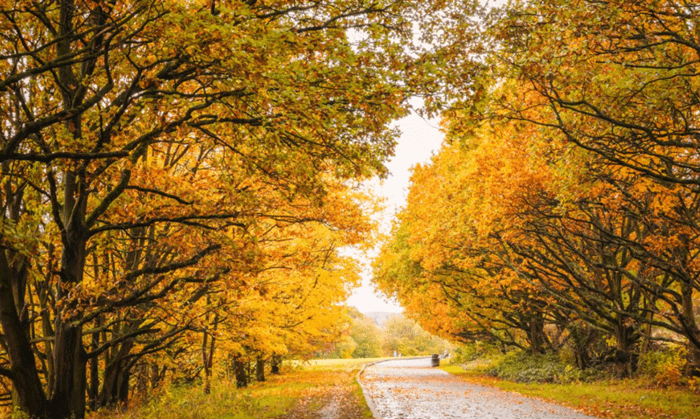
x: 178, y: 176
x: 177, y: 179
x: 561, y: 213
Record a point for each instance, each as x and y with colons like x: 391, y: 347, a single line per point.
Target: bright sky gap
x: 420, y: 139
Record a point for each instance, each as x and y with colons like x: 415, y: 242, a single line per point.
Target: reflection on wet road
x: 411, y: 389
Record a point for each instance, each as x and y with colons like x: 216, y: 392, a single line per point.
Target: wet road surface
x: 411, y: 389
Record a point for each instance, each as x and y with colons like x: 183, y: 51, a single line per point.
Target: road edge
x: 365, y: 393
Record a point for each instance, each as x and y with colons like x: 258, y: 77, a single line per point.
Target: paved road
x: 411, y: 389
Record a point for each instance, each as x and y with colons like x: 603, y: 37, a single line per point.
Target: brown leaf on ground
x: 329, y: 402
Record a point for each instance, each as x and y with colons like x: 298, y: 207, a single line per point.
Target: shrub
x: 18, y: 414
x: 523, y: 367
x: 469, y: 352
x: 664, y: 367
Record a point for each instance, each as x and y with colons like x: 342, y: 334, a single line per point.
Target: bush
x: 523, y: 367
x: 469, y: 352
x: 18, y: 414
x: 664, y: 367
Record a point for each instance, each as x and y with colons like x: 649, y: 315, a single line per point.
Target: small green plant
x: 694, y: 384
x: 18, y: 414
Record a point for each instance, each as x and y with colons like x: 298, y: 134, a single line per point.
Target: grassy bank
x: 301, y: 389
x: 617, y: 399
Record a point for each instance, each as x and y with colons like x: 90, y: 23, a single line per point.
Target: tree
x: 520, y: 245
x: 617, y: 80
x: 450, y: 240
x: 406, y: 337
x: 365, y: 334
x: 143, y: 140
x: 564, y: 199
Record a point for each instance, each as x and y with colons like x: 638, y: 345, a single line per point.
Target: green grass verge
x: 259, y: 401
x: 308, y: 380
x: 335, y: 364
x: 617, y: 399
x: 357, y: 390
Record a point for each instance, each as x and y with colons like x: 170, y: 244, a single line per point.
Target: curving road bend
x: 411, y: 389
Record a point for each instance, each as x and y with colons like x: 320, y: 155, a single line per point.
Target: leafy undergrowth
x: 313, y: 389
x: 523, y: 367
x: 615, y: 399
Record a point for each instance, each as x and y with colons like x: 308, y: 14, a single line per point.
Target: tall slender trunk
x: 691, y: 326
x: 208, y: 348
x: 206, y: 361
x: 94, y: 387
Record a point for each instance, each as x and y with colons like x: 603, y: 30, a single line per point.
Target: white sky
x: 420, y: 139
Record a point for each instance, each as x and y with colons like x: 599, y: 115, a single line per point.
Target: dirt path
x: 411, y: 389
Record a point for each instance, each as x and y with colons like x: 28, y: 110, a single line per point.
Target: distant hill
x: 380, y: 317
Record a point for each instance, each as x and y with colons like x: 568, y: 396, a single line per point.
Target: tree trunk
x: 691, y: 326
x: 70, y: 381
x: 157, y: 375
x: 240, y: 371
x: 693, y: 365
x: 142, y: 381
x: 275, y: 364
x: 29, y: 393
x: 624, y: 339
x: 208, y: 353
x: 115, y: 378
x: 207, y: 359
x: 69, y: 386
x: 260, y: 369
x: 536, y: 335
x: 94, y: 388
x: 582, y: 336
x: 123, y: 387
x: 68, y: 397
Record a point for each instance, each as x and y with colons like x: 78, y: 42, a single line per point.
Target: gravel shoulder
x: 411, y: 389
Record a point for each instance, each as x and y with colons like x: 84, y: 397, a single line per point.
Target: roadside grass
x: 307, y: 381
x: 335, y: 373
x: 357, y: 391
x: 615, y: 399
x: 334, y: 364
x: 260, y: 400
